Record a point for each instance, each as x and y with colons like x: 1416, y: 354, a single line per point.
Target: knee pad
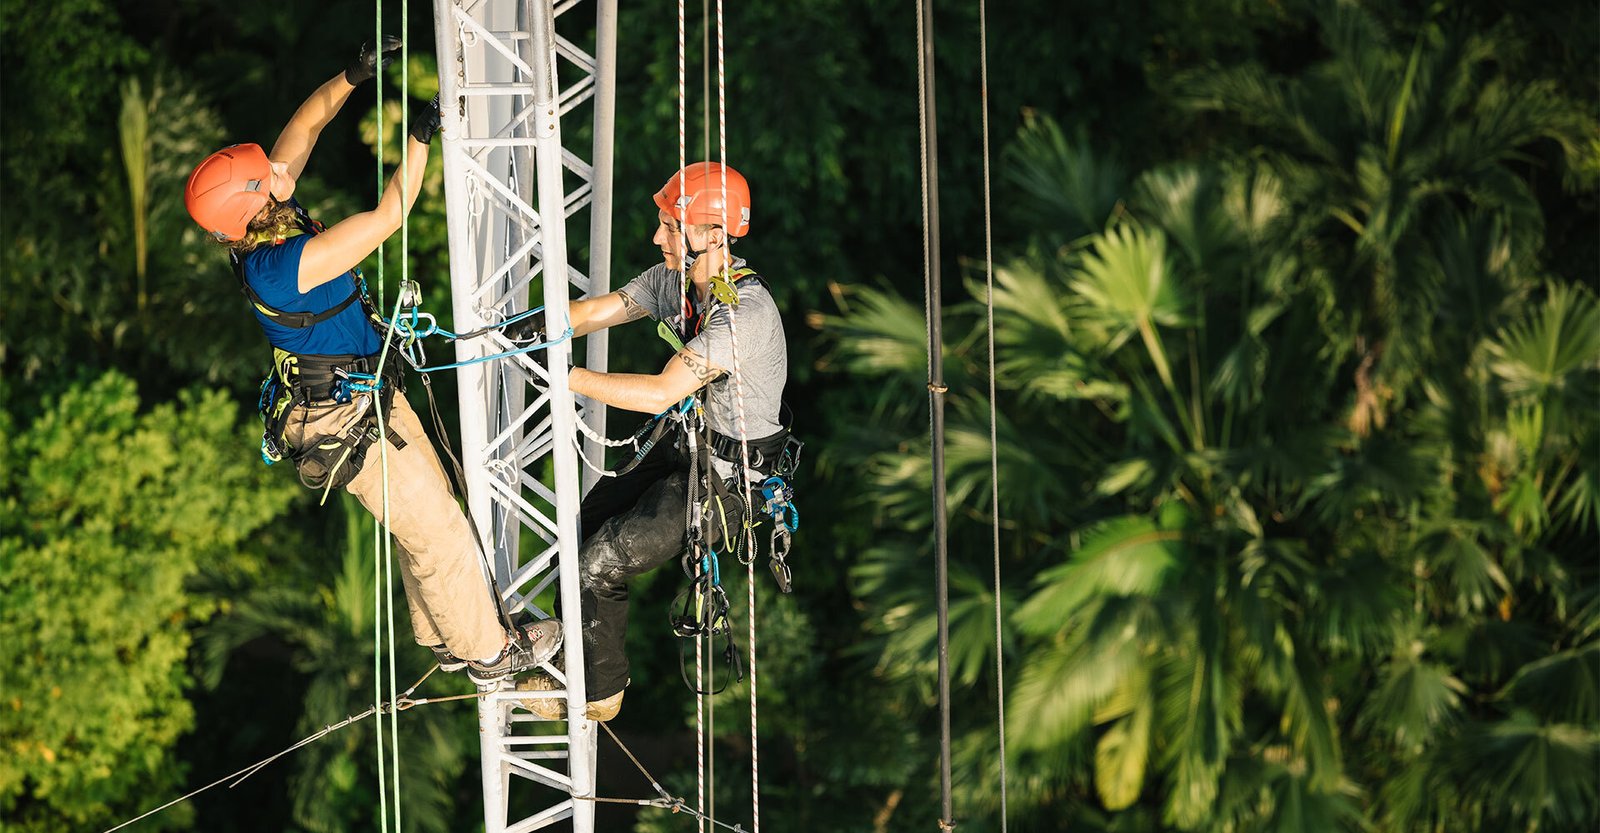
x: 602, y: 564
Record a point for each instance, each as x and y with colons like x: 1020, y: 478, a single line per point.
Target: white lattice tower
x: 510, y: 189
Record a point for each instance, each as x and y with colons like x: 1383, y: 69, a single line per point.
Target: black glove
x: 529, y: 330
x: 366, y: 64
x: 426, y: 122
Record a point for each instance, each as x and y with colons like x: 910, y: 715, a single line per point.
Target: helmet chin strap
x: 690, y: 253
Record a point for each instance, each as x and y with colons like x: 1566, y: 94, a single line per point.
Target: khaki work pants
x: 440, y: 568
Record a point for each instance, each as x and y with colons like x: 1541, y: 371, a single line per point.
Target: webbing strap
x: 293, y: 320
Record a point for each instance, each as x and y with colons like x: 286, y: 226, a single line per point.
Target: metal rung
x: 551, y: 755
x: 559, y: 812
x: 487, y: 89
x: 499, y: 143
x: 569, y: 50
x: 578, y: 88
x: 534, y: 740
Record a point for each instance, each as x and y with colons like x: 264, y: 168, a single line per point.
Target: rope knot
x: 938, y: 388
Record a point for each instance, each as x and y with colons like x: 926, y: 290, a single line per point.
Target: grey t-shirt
x: 763, y: 353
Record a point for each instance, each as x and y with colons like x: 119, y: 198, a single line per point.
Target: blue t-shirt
x: 274, y: 273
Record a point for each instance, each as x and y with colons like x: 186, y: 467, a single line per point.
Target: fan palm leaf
x: 1064, y: 187
x: 1564, y: 686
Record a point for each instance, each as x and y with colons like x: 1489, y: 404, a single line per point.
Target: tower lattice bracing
x: 515, y: 78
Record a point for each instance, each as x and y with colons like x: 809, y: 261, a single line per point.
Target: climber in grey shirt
x: 637, y: 521
x: 762, y: 354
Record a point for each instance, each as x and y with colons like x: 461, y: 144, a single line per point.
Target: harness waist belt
x: 764, y: 452
x: 319, y: 374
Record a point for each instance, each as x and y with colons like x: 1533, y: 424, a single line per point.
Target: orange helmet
x: 228, y: 189
x: 697, y: 198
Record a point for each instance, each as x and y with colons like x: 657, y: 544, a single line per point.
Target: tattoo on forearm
x: 699, y: 367
x: 631, y: 308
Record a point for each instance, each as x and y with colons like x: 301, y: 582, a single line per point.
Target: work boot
x: 447, y: 661
x: 553, y: 708
x: 525, y: 649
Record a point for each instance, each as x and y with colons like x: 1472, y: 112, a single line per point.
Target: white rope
x: 683, y: 234
x: 994, y: 438
x: 705, y: 79
x: 604, y: 440
x: 744, y: 443
x: 380, y: 536
x: 700, y: 729
x: 600, y: 470
x: 405, y: 278
x: 711, y: 728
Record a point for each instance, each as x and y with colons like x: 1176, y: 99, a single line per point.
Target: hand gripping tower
x: 510, y: 188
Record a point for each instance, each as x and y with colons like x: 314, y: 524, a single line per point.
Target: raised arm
x: 300, y: 135
x: 337, y: 250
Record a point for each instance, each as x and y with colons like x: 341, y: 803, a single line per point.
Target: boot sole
x: 486, y: 681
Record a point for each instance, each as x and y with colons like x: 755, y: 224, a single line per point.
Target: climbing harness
x: 331, y: 461
x: 326, y: 461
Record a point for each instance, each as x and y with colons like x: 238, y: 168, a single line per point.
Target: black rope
x: 936, y: 386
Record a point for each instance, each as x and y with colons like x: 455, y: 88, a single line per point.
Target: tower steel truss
x: 511, y: 74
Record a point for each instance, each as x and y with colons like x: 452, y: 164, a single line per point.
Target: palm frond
x: 1562, y: 687
x: 1488, y: 651
x: 1529, y: 773
x: 1126, y: 556
x: 1579, y: 500
x: 1036, y: 344
x: 1126, y: 279
x: 1121, y: 756
x: 1459, y: 559
x: 1538, y: 357
x: 1308, y: 720
x: 1199, y: 715
x: 1413, y: 701
x: 1299, y: 804
x: 1063, y: 184
x: 1357, y: 604
x: 1062, y: 684
x: 883, y: 335
x: 1185, y: 202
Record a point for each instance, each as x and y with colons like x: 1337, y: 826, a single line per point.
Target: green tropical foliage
x: 329, y: 636
x: 1298, y: 360
x: 111, y: 511
x: 1274, y: 575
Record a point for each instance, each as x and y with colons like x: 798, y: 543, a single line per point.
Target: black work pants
x: 630, y: 525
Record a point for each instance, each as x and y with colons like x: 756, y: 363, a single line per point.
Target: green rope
x: 405, y: 263
x: 382, y: 542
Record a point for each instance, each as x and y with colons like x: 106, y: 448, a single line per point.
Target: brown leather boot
x: 555, y: 708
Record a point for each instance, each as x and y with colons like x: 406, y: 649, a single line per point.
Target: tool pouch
x: 331, y: 462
